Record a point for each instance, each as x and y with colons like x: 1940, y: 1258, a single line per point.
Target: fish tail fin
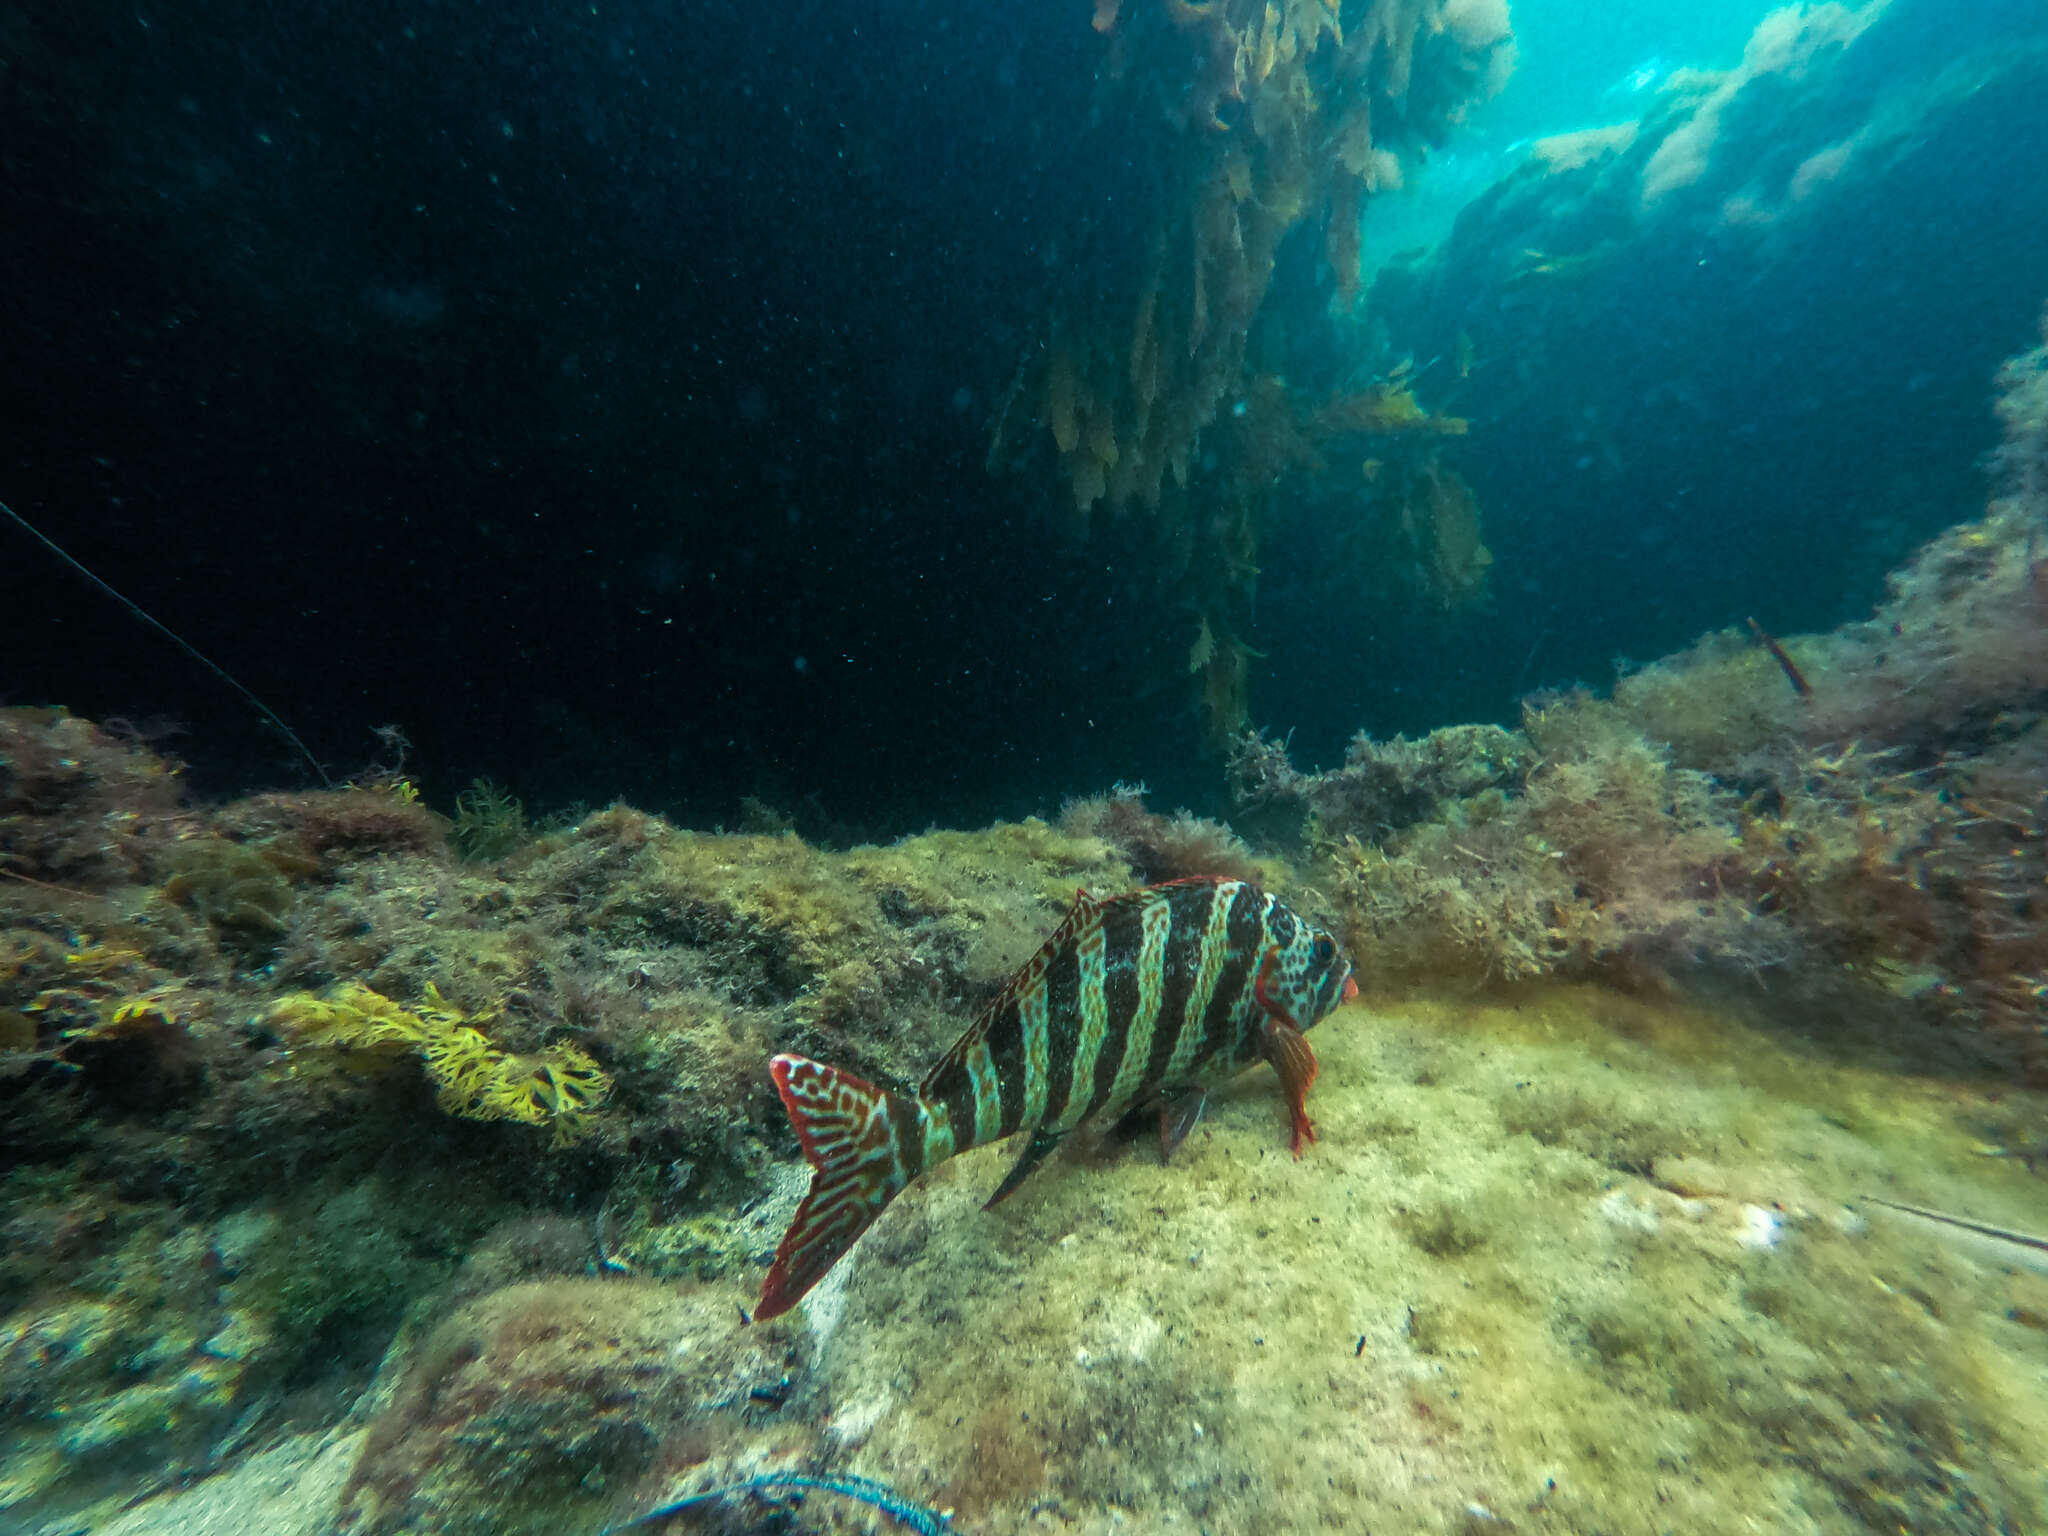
x: 853, y: 1134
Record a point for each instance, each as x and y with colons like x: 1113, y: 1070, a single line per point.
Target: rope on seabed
x: 916, y: 1517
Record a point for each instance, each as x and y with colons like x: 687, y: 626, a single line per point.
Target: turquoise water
x: 1576, y: 67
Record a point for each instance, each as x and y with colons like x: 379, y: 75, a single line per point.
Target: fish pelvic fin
x: 1179, y: 1114
x: 1289, y: 1051
x: 854, y: 1136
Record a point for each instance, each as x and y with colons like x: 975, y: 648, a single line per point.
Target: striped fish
x: 1136, y: 1000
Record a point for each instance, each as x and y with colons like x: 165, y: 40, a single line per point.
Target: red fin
x: 849, y: 1138
x: 1288, y: 1049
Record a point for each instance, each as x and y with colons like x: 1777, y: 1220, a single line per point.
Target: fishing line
x: 169, y: 634
x: 1529, y: 661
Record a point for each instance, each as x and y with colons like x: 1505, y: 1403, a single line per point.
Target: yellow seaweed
x: 473, y: 1078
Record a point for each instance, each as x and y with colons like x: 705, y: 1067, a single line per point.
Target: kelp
x: 1275, y: 112
x: 1250, y: 122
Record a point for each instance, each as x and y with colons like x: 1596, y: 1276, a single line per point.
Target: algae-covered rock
x: 1550, y: 1246
x: 78, y: 803
x: 549, y: 1407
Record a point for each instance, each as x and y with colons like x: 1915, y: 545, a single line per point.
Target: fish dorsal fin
x: 956, y: 1055
x: 1079, y: 915
x: 1084, y: 908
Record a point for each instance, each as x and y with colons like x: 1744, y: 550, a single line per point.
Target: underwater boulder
x: 563, y: 1406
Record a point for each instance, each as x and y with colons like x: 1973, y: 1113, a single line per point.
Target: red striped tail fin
x: 850, y: 1132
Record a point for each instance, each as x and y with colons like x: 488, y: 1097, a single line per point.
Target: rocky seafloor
x: 1610, y: 1253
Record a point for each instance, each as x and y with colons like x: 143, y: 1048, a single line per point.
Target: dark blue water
x: 604, y: 397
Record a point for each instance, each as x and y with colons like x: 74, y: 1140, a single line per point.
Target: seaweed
x: 1593, y: 851
x: 1144, y: 379
x: 332, y: 826
x: 490, y: 822
x: 1280, y: 113
x: 1160, y: 847
x: 243, y: 892
x: 1381, y: 787
x: 559, y: 1087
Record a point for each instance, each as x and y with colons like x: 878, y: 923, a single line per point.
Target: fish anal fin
x: 1179, y: 1114
x: 1036, y: 1150
x: 1288, y: 1049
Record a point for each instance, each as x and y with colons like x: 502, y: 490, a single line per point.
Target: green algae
x: 490, y: 822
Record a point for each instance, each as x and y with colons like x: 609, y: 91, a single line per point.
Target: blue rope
x: 916, y: 1517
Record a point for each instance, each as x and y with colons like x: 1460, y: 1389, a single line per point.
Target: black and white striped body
x: 1145, y: 996
x: 1140, y: 993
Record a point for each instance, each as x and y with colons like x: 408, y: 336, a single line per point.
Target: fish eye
x: 1325, y: 950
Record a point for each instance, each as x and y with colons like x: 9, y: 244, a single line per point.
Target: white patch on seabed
x: 854, y: 1420
x: 1760, y: 1229
x: 769, y: 1216
x: 1128, y: 1332
x: 825, y: 1302
x: 936, y: 1210
x: 1620, y: 1210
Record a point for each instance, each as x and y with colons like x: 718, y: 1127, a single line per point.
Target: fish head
x: 1304, y: 974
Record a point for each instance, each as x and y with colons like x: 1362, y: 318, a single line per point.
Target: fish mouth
x: 1350, y: 992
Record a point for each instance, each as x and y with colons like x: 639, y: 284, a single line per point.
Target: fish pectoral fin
x: 1288, y: 1049
x: 1178, y: 1114
x: 1036, y: 1150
